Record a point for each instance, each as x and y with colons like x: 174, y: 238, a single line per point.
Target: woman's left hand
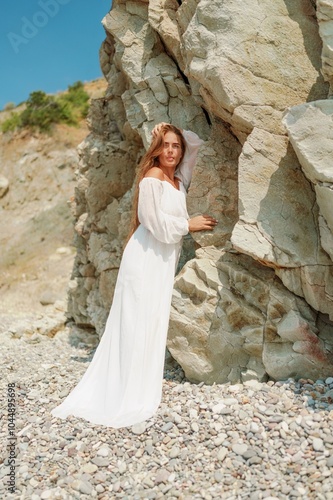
x: 202, y: 223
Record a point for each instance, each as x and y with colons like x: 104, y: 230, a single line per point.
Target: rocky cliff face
x: 254, y: 81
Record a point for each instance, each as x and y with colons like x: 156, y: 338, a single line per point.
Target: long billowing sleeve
x: 185, y: 169
x: 165, y: 227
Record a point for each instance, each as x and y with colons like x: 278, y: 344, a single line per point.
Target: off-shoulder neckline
x: 166, y: 182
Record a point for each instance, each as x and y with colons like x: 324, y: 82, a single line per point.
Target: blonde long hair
x: 149, y: 160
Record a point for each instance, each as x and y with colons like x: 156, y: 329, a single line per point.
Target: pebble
x: 174, y: 452
x: 103, y: 452
x: 162, y: 476
x: 167, y: 427
x: 222, y: 453
x: 122, y: 468
x: 271, y: 441
x: 239, y: 449
x: 318, y: 444
x: 139, y: 428
x: 194, y: 427
x: 82, y: 486
x: 100, y: 462
x: 89, y: 468
x: 47, y: 494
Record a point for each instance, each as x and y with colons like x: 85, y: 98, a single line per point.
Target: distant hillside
x: 94, y: 89
x: 36, y: 228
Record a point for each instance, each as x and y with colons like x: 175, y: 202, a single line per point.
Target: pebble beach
x: 253, y: 441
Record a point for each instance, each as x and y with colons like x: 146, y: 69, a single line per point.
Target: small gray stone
x: 100, y: 477
x: 162, y: 476
x: 82, y: 486
x: 222, y: 453
x: 230, y: 401
x: 122, y: 467
x: 218, y: 476
x: 101, y: 462
x: 46, y: 494
x: 239, y: 449
x: 318, y: 444
x: 194, y: 427
x: 174, y: 452
x: 249, y: 453
x: 89, y: 468
x: 48, y: 298
x: 254, y: 460
x: 64, y: 393
x: 298, y: 457
x: 103, y: 451
x: 218, y: 408
x: 139, y: 428
x: 167, y: 427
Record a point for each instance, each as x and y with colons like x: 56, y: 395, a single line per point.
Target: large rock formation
x: 253, y: 80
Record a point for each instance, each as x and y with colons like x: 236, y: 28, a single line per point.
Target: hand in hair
x: 157, y: 128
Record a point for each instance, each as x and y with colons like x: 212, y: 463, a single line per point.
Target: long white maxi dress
x: 122, y: 385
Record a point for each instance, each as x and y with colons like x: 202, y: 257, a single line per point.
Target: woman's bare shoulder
x: 156, y: 173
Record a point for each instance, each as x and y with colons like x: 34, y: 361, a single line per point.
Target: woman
x: 123, y: 383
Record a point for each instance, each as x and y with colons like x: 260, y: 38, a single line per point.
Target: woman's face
x: 172, y: 151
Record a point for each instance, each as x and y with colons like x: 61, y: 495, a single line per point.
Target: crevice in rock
x: 182, y: 74
x: 314, y: 4
x: 205, y: 112
x: 227, y: 126
x: 184, y: 77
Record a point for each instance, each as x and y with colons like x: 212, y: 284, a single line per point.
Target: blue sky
x: 48, y: 45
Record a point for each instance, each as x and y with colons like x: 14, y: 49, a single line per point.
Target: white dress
x: 122, y: 385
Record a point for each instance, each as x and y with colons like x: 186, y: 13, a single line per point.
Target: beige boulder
x: 238, y: 53
x: 276, y: 224
x: 232, y: 318
x: 310, y: 131
x: 306, y: 348
x: 309, y: 127
x: 278, y: 219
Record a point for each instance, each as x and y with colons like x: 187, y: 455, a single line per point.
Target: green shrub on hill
x: 43, y: 110
x: 13, y: 122
x: 76, y: 99
x: 9, y: 106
